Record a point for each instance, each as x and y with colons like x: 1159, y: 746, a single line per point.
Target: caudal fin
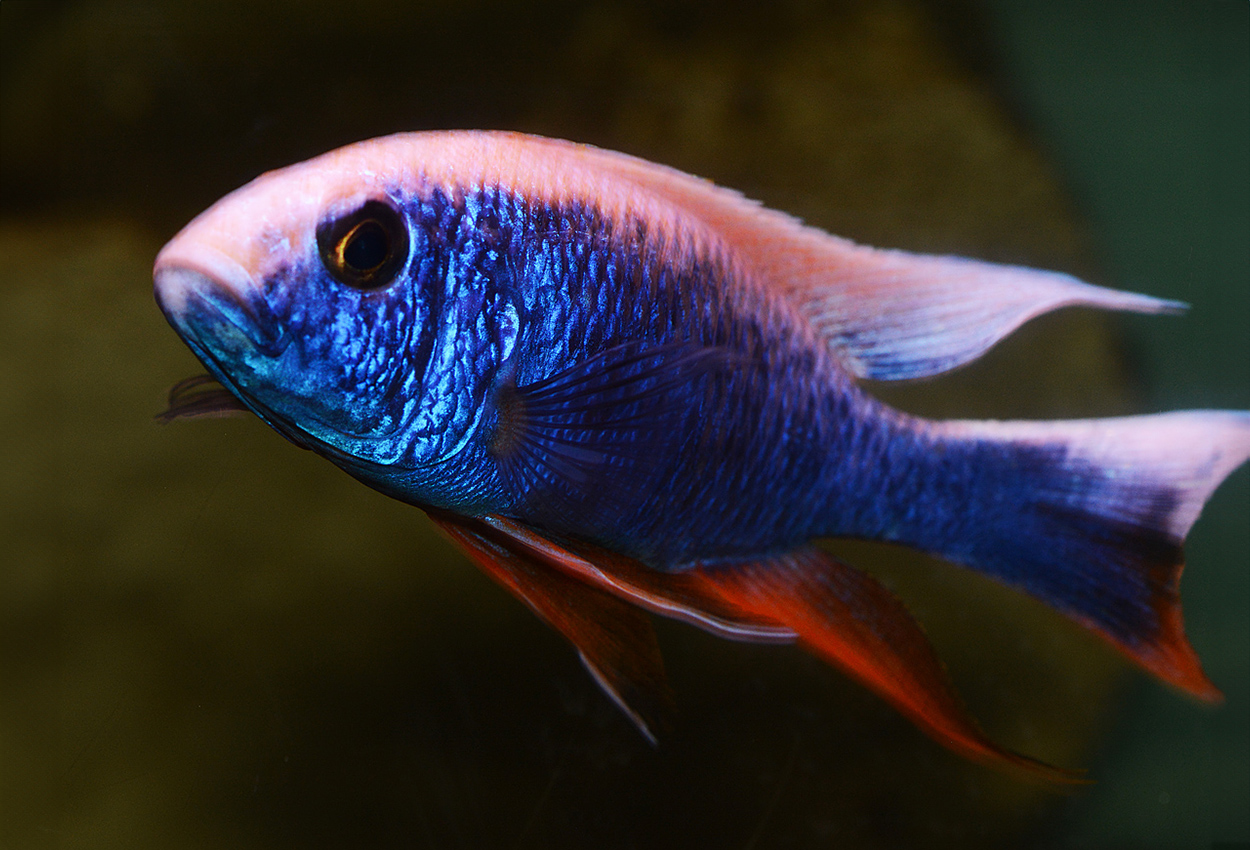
x: 1090, y: 517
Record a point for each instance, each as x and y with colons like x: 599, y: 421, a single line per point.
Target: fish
x: 623, y: 390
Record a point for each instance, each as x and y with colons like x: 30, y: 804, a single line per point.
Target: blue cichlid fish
x: 623, y: 389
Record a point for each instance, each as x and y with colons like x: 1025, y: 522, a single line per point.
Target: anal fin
x: 850, y: 620
x: 839, y: 613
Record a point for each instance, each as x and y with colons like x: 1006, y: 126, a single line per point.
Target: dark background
x: 209, y: 638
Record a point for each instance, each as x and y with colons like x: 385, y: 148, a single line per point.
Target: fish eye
x: 365, y: 248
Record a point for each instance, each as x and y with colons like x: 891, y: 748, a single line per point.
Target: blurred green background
x: 211, y: 639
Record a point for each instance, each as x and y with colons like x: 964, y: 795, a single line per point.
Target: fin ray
x: 888, y: 314
x: 614, y: 640
x: 851, y: 621
x: 1097, y: 525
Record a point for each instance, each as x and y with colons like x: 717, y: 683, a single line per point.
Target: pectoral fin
x: 616, y: 416
x: 615, y: 640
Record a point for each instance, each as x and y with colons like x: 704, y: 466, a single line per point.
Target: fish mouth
x: 214, y: 316
x: 195, y: 302
x: 220, y: 312
x: 223, y: 324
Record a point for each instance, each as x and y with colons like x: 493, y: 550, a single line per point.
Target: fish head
x: 308, y: 293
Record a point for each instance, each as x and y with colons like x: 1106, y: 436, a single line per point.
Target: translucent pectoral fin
x: 851, y: 621
x: 616, y: 416
x: 615, y: 640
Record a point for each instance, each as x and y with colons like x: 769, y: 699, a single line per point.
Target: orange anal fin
x: 616, y: 641
x: 849, y: 619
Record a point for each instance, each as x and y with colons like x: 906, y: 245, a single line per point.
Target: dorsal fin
x: 893, y: 315
x: 888, y: 314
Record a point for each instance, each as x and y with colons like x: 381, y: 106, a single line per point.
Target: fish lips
x: 198, y: 307
x: 198, y: 304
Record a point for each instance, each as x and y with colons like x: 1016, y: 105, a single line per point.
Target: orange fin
x: 615, y: 640
x: 678, y: 596
x: 850, y: 620
x: 841, y: 614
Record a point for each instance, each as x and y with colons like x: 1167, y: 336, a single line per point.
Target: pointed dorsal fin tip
x: 889, y: 314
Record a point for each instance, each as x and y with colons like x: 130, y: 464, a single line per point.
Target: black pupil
x: 367, y: 247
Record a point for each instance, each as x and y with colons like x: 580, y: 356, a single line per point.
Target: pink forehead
x: 278, y: 211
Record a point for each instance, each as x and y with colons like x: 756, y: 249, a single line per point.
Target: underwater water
x: 209, y: 638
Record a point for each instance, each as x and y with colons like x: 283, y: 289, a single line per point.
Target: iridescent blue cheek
x: 346, y: 368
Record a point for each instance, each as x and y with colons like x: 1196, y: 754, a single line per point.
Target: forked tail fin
x: 1090, y: 517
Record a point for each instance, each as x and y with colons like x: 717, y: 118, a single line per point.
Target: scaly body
x: 613, y: 383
